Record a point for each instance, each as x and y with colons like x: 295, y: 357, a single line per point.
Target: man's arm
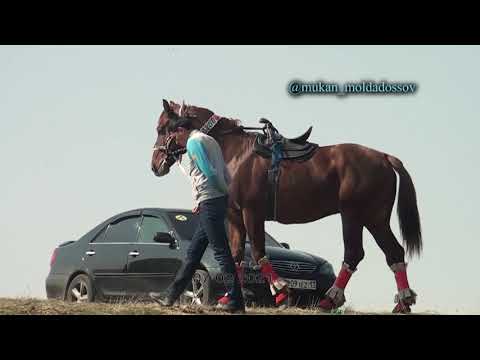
x: 198, y: 154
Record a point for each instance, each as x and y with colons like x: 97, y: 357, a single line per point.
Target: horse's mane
x: 225, y: 127
x: 226, y: 123
x: 232, y: 124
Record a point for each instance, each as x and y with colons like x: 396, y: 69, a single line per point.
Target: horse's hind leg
x: 255, y: 225
x: 353, y: 254
x: 395, y: 256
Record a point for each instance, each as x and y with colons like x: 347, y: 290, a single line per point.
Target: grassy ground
x: 29, y: 306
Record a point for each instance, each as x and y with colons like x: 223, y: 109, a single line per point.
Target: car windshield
x: 185, y: 224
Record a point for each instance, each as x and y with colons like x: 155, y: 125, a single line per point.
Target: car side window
x: 100, y: 236
x: 150, y: 226
x: 122, y: 231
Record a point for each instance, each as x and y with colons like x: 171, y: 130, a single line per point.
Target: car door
x: 107, y: 255
x: 154, y: 265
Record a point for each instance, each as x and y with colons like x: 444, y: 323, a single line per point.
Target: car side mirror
x: 285, y: 245
x: 164, y: 238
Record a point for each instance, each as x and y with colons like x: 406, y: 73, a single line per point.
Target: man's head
x: 169, y: 139
x: 182, y: 129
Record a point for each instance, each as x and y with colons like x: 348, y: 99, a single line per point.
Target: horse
x: 352, y: 180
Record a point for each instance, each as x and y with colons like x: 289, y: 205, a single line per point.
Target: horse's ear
x: 166, y: 106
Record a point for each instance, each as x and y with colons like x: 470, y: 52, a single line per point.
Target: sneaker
x: 167, y: 302
x: 227, y: 304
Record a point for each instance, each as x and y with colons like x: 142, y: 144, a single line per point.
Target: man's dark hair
x: 183, y: 122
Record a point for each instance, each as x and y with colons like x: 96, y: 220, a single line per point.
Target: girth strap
x: 273, y: 175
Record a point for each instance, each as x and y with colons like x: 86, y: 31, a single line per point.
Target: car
x: 140, y: 251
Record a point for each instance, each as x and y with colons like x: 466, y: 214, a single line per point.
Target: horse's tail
x: 407, y: 210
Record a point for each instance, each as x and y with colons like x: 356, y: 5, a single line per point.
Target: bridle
x: 166, y: 148
x: 175, y: 154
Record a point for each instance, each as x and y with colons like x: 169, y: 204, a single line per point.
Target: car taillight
x: 54, y: 257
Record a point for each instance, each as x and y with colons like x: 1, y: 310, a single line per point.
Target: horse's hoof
x: 281, y: 300
x: 401, y: 308
x: 248, y: 294
x: 327, y: 304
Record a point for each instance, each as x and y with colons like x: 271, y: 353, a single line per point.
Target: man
x: 210, y: 179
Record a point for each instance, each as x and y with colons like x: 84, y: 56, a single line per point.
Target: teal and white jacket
x: 206, y: 167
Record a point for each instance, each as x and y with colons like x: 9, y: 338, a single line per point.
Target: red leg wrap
x: 268, y: 272
x: 401, y: 279
x: 342, y: 278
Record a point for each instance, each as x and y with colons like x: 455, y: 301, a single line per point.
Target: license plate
x: 302, y: 284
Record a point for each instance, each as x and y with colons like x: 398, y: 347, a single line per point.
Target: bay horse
x: 355, y: 181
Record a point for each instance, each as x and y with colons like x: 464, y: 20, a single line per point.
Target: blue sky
x: 77, y: 127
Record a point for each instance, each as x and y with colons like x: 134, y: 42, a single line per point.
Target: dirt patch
x: 32, y: 306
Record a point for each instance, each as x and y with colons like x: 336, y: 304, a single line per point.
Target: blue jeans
x: 211, y: 229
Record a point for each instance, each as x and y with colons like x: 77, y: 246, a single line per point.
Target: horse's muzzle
x: 162, y: 170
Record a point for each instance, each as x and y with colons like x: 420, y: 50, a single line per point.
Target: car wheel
x: 200, y: 291
x: 80, y: 290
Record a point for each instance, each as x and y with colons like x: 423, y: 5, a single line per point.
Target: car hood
x: 278, y: 253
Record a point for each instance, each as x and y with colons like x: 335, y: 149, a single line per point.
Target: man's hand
x: 196, y: 210
x: 217, y: 184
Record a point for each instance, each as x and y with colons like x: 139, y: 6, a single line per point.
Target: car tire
x: 199, y: 291
x: 80, y: 290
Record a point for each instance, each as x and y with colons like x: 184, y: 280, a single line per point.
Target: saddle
x: 290, y: 150
x: 271, y: 144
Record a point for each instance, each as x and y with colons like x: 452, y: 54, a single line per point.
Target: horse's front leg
x: 254, y: 222
x: 236, y: 232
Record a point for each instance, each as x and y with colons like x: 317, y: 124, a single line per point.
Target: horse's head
x: 166, y: 151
